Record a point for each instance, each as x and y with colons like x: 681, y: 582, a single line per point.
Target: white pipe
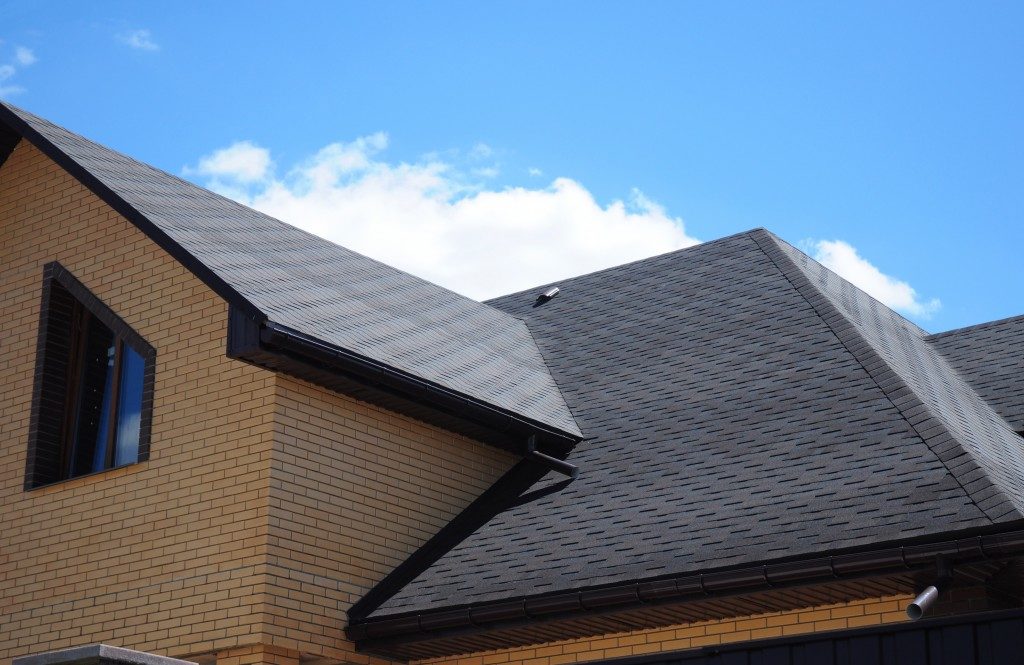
x: 922, y: 603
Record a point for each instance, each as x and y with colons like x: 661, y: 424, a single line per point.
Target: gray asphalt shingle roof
x: 990, y: 356
x: 331, y: 293
x: 741, y: 404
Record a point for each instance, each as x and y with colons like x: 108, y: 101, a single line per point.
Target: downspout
x: 553, y: 463
x: 927, y: 598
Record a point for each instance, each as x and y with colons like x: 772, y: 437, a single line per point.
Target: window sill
x: 93, y: 475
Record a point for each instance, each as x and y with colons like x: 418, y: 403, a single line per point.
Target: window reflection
x: 129, y: 412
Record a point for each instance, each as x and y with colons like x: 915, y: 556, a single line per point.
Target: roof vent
x: 546, y: 296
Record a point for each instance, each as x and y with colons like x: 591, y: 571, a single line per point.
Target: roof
x: 742, y: 405
x: 990, y: 357
x: 283, y: 275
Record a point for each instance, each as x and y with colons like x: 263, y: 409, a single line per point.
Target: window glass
x: 93, y: 403
x: 95, y: 391
x: 129, y: 411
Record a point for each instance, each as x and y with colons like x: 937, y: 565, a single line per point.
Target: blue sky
x: 492, y: 146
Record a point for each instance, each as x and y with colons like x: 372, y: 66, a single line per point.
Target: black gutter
x: 274, y: 337
x: 478, y: 618
x: 241, y: 308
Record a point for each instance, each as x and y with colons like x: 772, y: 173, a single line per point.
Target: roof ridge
x: 971, y: 475
x: 690, y: 248
x: 781, y: 241
x: 976, y: 326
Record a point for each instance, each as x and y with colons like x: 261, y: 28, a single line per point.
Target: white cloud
x: 487, y: 172
x: 139, y: 39
x: 843, y: 259
x: 24, y: 56
x: 481, y: 151
x: 241, y: 163
x: 436, y: 221
x: 534, y: 172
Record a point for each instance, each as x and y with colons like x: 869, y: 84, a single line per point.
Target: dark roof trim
x: 276, y: 336
x: 701, y: 654
x: 378, y: 634
x: 129, y: 212
x: 253, y: 340
x: 503, y: 494
x: 353, y: 366
x: 8, y: 139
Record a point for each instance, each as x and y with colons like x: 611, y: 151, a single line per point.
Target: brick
x: 160, y: 555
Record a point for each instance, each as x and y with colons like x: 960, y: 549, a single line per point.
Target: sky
x: 491, y: 147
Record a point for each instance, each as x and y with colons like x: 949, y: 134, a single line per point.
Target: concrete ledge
x: 98, y: 654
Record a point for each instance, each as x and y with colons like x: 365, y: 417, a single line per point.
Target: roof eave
x: 506, y: 429
x: 385, y: 635
x: 281, y: 348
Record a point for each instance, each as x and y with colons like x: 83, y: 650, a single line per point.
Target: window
x: 94, y: 384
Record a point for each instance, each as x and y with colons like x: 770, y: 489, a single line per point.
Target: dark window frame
x: 64, y: 299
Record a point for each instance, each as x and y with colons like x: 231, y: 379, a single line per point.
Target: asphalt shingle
x: 990, y: 357
x: 331, y: 293
x: 741, y: 404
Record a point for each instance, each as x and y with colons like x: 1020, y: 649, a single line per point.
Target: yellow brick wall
x: 267, y: 506
x: 838, y: 616
x: 163, y: 556
x: 257, y: 654
x: 354, y: 490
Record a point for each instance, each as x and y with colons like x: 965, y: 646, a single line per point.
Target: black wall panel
x: 980, y: 639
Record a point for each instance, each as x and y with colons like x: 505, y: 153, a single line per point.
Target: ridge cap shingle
x: 974, y: 327
x: 681, y: 252
x: 727, y: 425
x: 995, y: 500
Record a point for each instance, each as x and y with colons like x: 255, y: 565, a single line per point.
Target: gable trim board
x: 274, y: 345
x: 8, y: 140
x: 126, y: 210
